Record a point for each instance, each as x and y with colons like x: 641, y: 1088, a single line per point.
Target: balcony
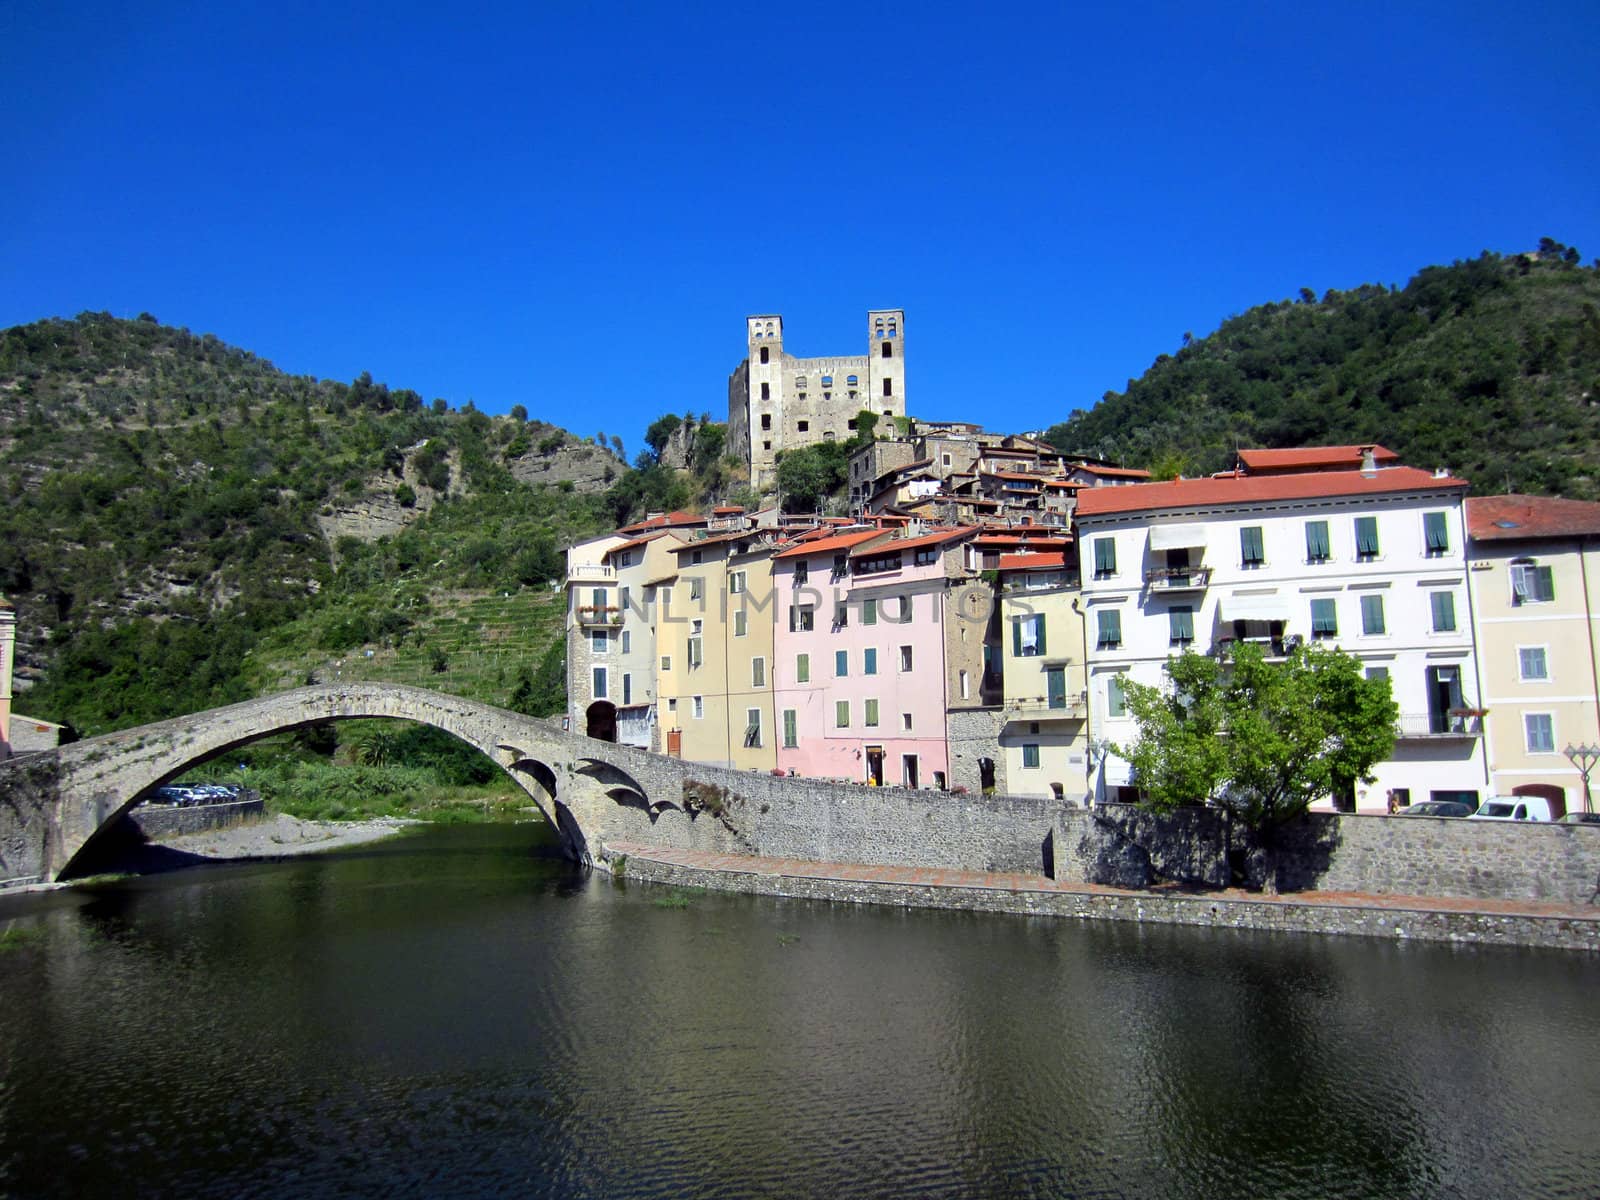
x: 591, y: 573
x: 1456, y: 724
x: 1177, y: 579
x: 1039, y: 708
x: 607, y: 615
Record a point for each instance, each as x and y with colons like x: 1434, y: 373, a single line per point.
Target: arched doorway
x: 600, y: 721
x: 1549, y: 792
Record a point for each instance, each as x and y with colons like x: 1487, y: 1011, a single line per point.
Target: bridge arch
x: 99, y: 779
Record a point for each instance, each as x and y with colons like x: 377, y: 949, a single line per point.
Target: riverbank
x: 281, y: 835
x: 1423, y: 918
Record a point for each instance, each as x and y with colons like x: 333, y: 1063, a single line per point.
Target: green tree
x: 519, y: 413
x: 1259, y: 739
x: 660, y: 432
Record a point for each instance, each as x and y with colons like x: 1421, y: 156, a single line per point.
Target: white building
x: 1369, y: 559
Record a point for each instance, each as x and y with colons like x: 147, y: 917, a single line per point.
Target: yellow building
x: 1044, y: 736
x: 1535, y: 576
x: 714, y: 640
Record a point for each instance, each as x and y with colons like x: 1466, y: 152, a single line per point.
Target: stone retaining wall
x: 161, y: 821
x: 1213, y: 911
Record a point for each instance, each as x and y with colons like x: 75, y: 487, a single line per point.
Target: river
x: 454, y: 1014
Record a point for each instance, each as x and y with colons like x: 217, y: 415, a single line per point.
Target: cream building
x: 8, y: 649
x: 1534, y: 569
x: 778, y: 402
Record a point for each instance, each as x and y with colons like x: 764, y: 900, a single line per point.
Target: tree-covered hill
x: 186, y: 525
x: 1490, y: 367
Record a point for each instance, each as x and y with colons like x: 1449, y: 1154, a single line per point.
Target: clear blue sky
x: 574, y: 206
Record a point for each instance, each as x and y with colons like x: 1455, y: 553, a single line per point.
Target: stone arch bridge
x: 55, y: 804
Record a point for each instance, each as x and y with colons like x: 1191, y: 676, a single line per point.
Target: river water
x: 451, y: 1014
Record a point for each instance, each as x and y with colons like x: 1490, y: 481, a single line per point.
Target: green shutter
x: 1181, y: 622
x: 1016, y: 637
x: 841, y: 713
x: 802, y: 668
x: 1251, y: 546
x: 1372, y: 615
x: 1324, y: 617
x: 1438, y: 535
x: 871, y: 718
x: 1105, y: 556
x: 1444, y: 612
x: 790, y: 740
x: 1367, y: 535
x: 1056, y: 683
x: 1317, y: 541
x: 869, y: 659
x: 1110, y: 620
x: 841, y: 663
x: 1039, y: 625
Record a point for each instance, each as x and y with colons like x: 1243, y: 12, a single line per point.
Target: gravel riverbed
x: 281, y: 835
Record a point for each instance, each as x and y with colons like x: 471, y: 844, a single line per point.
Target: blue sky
x: 573, y: 207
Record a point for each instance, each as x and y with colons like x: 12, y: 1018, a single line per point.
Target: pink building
x: 859, y: 657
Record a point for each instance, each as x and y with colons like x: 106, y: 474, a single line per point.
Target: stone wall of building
x: 154, y: 822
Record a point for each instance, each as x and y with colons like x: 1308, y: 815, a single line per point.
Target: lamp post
x: 1584, y: 758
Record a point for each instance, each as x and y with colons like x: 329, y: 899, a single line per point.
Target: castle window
x: 892, y: 330
x: 827, y: 381
x: 851, y: 380
x: 766, y: 391
x: 804, y: 425
x: 827, y: 435
x: 827, y: 395
x: 766, y: 445
x: 800, y: 381
x: 850, y: 424
x: 888, y: 412
x: 763, y: 354
x: 888, y: 387
x: 766, y: 418
x: 888, y: 350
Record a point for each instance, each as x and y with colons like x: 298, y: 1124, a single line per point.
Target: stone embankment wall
x: 161, y: 821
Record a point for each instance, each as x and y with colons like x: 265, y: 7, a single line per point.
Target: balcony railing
x: 1177, y: 579
x: 1456, y: 723
x: 599, y: 614
x: 590, y: 573
x: 1039, y: 708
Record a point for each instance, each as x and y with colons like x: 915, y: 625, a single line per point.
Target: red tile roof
x: 1508, y: 518
x: 1310, y: 458
x: 638, y: 541
x: 663, y: 521
x: 936, y: 538
x: 1033, y: 561
x: 837, y: 542
x: 1111, y: 472
x: 1249, y: 489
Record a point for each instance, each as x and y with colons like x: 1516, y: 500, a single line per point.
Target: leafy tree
x: 519, y: 413
x: 1259, y: 739
x: 660, y: 432
x: 616, y: 444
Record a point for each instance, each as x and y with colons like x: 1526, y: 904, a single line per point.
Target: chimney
x: 1369, y: 460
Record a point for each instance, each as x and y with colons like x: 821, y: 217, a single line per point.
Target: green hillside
x: 1490, y: 367
x: 171, y: 532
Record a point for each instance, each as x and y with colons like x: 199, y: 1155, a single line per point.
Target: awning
x: 1253, y: 608
x: 1177, y: 537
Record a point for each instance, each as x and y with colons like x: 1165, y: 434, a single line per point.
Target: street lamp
x: 1584, y: 758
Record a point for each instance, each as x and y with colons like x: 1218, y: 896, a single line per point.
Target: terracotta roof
x: 638, y: 541
x: 1508, y: 518
x: 999, y: 541
x: 937, y: 537
x: 1249, y: 489
x: 1112, y: 472
x: 663, y: 521
x: 725, y: 510
x: 838, y: 541
x: 738, y: 535
x: 1311, y: 458
x: 1027, y: 561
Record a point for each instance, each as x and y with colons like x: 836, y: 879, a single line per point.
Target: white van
x: 1513, y: 808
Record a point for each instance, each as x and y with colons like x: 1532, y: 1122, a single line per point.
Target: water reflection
x: 455, y: 1016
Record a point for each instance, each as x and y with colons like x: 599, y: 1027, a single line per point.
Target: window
x: 752, y: 727
x: 766, y: 394
x: 905, y: 722
x: 1377, y: 672
x: 905, y: 658
x: 827, y: 381
x: 791, y: 737
x: 1533, y: 663
x: 741, y: 623
x: 672, y: 704
x: 966, y: 687
x: 1366, y: 538
x: 697, y: 588
x: 1324, y: 618
x: 666, y: 662
x: 803, y: 426
x: 1105, y: 557
x: 1372, y: 616
x: 1055, y: 680
x: 1252, y: 551
x: 758, y: 672
x: 600, y: 642
x: 1116, y: 698
x: 1435, y: 534
x: 841, y: 615
x: 841, y: 663
x: 1027, y: 636
x: 881, y: 562
x: 598, y: 681
x: 802, y: 619
x: 851, y: 380
x: 696, y: 652
x: 841, y: 714
x: 801, y: 573
x: 802, y: 668
x: 763, y: 352
x: 1531, y: 583
x: 870, y: 716
x: 1030, y: 756
x: 888, y: 352
x: 622, y: 596
x: 699, y: 707
x: 627, y: 642
x: 1317, y: 541
x: 627, y: 689
x: 1180, y: 625
x: 888, y: 384
x: 1444, y: 611
x: 869, y: 661
x: 735, y: 583
x: 1541, y: 731
x: 869, y: 612
x: 905, y: 610
x: 1108, y: 628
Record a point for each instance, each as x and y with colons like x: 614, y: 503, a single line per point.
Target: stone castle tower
x: 778, y: 402
x: 8, y: 648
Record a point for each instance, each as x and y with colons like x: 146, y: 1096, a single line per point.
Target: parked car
x: 1513, y: 808
x: 1581, y: 818
x: 1436, y: 808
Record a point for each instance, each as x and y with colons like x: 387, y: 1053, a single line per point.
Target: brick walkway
x: 796, y: 868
